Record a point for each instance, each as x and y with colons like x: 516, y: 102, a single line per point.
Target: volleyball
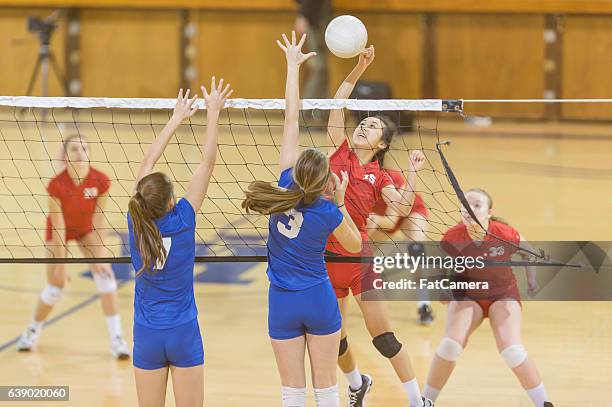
x: 346, y: 36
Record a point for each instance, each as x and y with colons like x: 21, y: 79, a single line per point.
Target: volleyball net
x: 118, y: 132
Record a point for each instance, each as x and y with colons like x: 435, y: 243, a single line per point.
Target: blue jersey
x: 165, y: 299
x: 296, y: 242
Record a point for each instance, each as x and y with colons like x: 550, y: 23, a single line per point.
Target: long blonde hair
x: 150, y: 202
x: 310, y: 175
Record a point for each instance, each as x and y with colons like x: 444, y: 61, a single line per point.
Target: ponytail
x: 267, y: 199
x: 146, y: 233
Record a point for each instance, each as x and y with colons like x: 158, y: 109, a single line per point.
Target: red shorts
x: 356, y: 277
x: 71, y: 234
x: 485, y: 304
x: 418, y: 207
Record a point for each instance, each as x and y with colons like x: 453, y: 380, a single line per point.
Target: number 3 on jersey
x: 293, y: 225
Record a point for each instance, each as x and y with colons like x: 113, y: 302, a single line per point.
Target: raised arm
x: 215, y: 101
x: 399, y: 201
x: 295, y: 58
x: 184, y: 109
x: 346, y: 233
x: 335, y: 124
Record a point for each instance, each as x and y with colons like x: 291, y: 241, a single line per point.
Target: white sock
x: 293, y: 396
x: 538, y: 395
x: 421, y: 303
x: 113, y: 323
x: 327, y: 397
x: 36, y: 325
x: 414, y: 393
x: 430, y: 392
x: 354, y: 379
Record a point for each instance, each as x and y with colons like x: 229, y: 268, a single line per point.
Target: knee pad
x: 51, y: 294
x: 294, y: 397
x: 449, y: 349
x: 105, y: 284
x: 387, y: 344
x: 514, y: 355
x: 343, y: 346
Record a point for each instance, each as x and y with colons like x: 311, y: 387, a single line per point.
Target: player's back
x: 297, y: 239
x: 164, y: 298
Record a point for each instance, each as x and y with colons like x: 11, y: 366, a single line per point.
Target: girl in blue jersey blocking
x: 303, y: 310
x: 162, y: 245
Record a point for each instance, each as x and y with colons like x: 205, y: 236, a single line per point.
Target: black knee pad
x: 343, y: 346
x: 387, y: 344
x: 416, y: 249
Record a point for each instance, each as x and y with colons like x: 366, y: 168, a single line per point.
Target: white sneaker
x: 28, y: 340
x: 120, y: 349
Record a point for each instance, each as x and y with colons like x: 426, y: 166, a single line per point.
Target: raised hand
x: 293, y: 49
x: 366, y: 56
x: 185, y: 107
x: 215, y: 100
x: 340, y: 187
x: 417, y: 160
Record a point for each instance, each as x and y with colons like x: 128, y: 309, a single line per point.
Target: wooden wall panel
x: 587, y: 58
x: 19, y: 50
x: 130, y: 53
x: 241, y: 47
x: 492, y: 57
x: 398, y: 42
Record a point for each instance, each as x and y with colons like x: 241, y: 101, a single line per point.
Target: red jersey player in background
x: 501, y: 303
x: 77, y: 198
x: 385, y: 224
x: 363, y: 160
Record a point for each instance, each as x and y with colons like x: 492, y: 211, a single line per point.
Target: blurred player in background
x: 501, y: 303
x: 312, y: 18
x: 162, y: 247
x: 77, y: 199
x: 385, y: 224
x: 302, y: 307
x: 362, y: 156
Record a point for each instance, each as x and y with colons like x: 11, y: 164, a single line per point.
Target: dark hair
x: 310, y: 176
x: 388, y: 131
x: 150, y: 202
x: 488, y: 196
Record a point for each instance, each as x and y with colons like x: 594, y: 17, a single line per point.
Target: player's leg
x: 49, y: 296
x: 414, y: 228
x: 505, y: 319
x: 462, y: 319
x: 289, y: 355
x: 91, y: 246
x: 377, y: 322
x: 151, y: 386
x: 322, y: 351
x: 359, y: 384
x: 188, y: 385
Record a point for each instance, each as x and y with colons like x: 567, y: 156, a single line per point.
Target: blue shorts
x: 180, y: 346
x: 296, y: 313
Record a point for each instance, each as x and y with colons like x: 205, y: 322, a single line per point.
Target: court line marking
x: 61, y: 316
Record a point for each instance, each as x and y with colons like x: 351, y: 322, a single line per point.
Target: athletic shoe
x: 119, y: 348
x: 425, y: 315
x: 429, y: 403
x: 548, y: 404
x: 28, y: 340
x: 355, y: 397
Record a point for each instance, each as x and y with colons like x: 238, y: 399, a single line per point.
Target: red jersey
x: 457, y: 242
x: 78, y: 201
x: 365, y: 186
x: 418, y: 205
